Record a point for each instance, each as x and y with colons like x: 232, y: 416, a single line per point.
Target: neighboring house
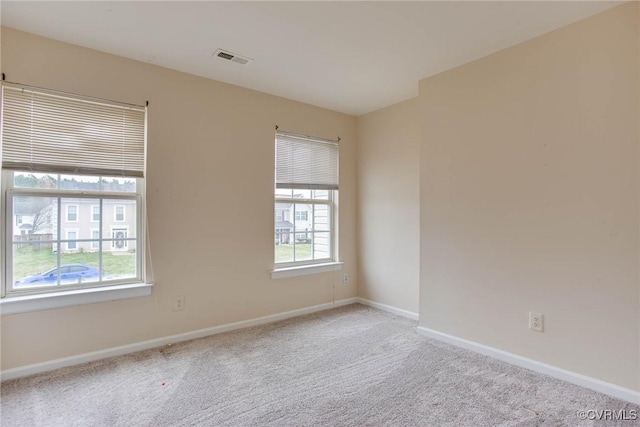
x: 293, y: 218
x: 31, y: 216
x: 23, y: 224
x: 80, y: 220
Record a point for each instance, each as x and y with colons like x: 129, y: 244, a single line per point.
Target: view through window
x: 49, y: 249
x: 305, y: 191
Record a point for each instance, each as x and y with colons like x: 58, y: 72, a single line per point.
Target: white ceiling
x: 352, y: 57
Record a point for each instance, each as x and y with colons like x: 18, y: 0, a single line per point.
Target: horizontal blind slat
x: 53, y: 133
x: 306, y: 163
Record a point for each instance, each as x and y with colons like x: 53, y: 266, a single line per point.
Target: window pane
x: 283, y: 215
x: 34, y: 265
x: 120, y: 239
x: 34, y: 180
x: 301, y: 194
x: 119, y: 259
x: 80, y: 182
x: 297, y: 223
x: 71, y: 211
x: 283, y: 251
x: 79, y: 267
x: 321, y: 218
x: 33, y: 215
x: 303, y: 249
x: 94, y: 245
x: 284, y: 192
x: 302, y: 224
x: 118, y: 220
x: 95, y: 213
x: 119, y: 213
x: 283, y: 242
x: 321, y: 245
x: 72, y: 244
x: 320, y: 194
x: 118, y: 184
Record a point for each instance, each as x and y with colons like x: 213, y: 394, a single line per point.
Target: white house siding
x: 86, y: 226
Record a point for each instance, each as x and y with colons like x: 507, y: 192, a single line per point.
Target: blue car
x: 69, y: 274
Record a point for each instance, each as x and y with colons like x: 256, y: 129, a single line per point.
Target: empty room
x: 320, y: 213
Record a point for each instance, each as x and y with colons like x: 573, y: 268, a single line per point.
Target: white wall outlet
x: 536, y: 321
x: 345, y: 278
x: 178, y: 303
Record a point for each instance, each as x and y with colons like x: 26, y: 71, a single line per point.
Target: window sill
x: 27, y: 303
x: 281, y: 273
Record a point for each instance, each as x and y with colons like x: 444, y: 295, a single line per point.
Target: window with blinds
x: 73, y: 171
x: 306, y: 185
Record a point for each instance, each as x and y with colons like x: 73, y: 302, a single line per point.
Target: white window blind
x: 305, y: 162
x: 51, y: 132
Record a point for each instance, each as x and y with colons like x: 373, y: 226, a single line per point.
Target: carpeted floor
x: 352, y: 366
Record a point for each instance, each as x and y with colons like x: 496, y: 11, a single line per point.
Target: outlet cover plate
x: 536, y: 321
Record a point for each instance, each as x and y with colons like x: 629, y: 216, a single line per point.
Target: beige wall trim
x: 543, y: 368
x: 51, y: 365
x: 384, y: 307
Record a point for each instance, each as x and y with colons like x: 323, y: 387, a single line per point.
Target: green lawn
x: 284, y: 253
x: 27, y: 262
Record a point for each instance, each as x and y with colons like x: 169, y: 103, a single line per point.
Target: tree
x: 42, y: 219
x: 39, y: 208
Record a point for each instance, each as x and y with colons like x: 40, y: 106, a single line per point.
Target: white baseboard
x: 384, y: 307
x: 543, y: 368
x: 37, y: 368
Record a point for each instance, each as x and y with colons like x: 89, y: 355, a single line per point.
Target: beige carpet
x: 352, y: 366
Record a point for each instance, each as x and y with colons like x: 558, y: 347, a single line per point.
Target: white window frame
x: 66, y: 217
x: 10, y: 293
x: 115, y: 213
x: 92, y: 219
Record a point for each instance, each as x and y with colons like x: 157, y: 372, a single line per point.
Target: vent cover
x: 229, y: 56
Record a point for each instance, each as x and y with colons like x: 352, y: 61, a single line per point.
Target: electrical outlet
x: 536, y: 321
x: 178, y: 303
x: 345, y: 278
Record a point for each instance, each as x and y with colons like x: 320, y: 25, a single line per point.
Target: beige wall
x: 529, y: 198
x: 389, y: 205
x: 210, y: 172
x: 511, y: 184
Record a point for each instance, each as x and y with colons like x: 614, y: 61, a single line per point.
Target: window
x: 95, y: 213
x: 95, y: 238
x: 305, y: 191
x: 72, y: 213
x: 119, y: 214
x: 67, y: 159
x: 71, y: 243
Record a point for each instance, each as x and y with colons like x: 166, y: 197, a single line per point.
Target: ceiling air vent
x: 225, y: 54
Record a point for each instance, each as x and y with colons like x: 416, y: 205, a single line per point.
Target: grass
x: 27, y: 262
x: 284, y: 253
